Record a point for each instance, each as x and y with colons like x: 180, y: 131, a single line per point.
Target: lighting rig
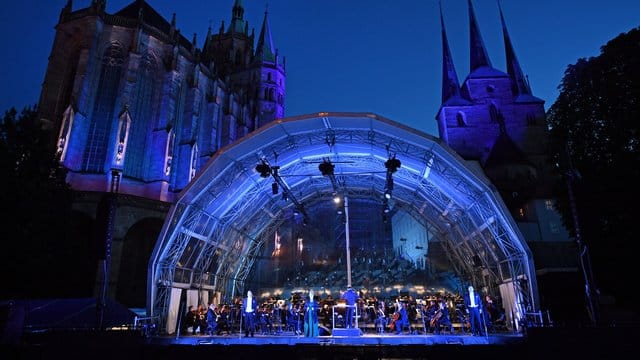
x: 327, y: 168
x: 265, y: 170
x: 392, y: 165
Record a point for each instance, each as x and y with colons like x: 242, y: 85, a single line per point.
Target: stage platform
x: 538, y: 343
x: 365, y: 339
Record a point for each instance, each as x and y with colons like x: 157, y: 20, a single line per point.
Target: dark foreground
x: 537, y: 343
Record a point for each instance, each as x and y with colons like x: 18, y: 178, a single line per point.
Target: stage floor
x: 366, y: 339
x: 536, y: 343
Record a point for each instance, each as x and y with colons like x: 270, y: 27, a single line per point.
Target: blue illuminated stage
x: 536, y: 343
x: 362, y: 340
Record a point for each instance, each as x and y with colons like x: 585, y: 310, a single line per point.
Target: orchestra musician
x: 381, y: 317
x: 442, y: 318
x: 400, y: 318
x: 433, y: 314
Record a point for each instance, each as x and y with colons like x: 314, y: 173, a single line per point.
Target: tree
x: 38, y: 253
x: 594, y: 126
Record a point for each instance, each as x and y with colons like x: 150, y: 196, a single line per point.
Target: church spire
x: 237, y: 18
x: 450, y: 84
x: 519, y: 85
x: 264, y: 49
x: 479, y: 55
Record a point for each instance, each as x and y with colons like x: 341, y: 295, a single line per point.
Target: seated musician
x: 443, y: 320
x: 401, y: 318
x: 381, y: 317
x: 433, y: 313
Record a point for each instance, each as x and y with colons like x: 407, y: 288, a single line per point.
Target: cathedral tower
x: 494, y: 119
x: 137, y: 109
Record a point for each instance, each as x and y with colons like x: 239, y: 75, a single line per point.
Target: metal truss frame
x: 219, y: 225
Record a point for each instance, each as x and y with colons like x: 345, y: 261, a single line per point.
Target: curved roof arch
x: 220, y: 221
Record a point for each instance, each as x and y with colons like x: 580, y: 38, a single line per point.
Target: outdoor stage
x: 535, y: 343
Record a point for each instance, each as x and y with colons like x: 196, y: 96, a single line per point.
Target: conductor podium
x: 341, y: 326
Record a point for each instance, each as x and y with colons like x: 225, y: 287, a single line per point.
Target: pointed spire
x: 519, y: 84
x: 479, y: 55
x: 450, y: 84
x: 172, y: 30
x: 237, y: 17
x: 66, y: 10
x: 237, y: 12
x: 264, y: 49
x: 206, y: 39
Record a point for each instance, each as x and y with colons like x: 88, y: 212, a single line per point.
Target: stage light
x: 264, y: 169
x: 336, y: 198
x: 386, y: 209
x: 274, y: 188
x: 392, y: 164
x: 326, y: 168
x: 387, y: 194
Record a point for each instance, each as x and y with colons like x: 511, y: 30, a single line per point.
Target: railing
x: 147, y: 325
x: 335, y: 315
x: 538, y: 319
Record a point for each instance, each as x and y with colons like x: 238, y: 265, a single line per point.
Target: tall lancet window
x: 142, y: 114
x: 194, y: 161
x: 168, y: 154
x: 461, y: 119
x: 493, y: 113
x: 124, y: 123
x: 101, y: 118
x: 65, y: 132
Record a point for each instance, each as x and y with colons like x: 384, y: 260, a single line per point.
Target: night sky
x: 373, y: 56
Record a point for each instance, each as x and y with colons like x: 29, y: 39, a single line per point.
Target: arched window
x: 65, y: 132
x: 142, y: 116
x: 168, y: 153
x: 95, y: 153
x: 194, y: 161
x: 493, y: 112
x: 124, y: 122
x: 461, y: 119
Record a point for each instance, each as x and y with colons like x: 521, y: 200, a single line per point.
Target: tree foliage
x: 594, y: 127
x: 37, y: 253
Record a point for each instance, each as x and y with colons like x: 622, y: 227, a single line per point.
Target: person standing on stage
x: 311, y: 310
x: 351, y: 297
x: 473, y: 302
x: 249, y: 306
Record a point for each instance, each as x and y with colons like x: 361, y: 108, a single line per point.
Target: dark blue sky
x: 378, y: 56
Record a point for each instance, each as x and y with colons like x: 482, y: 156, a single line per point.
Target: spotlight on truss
x: 264, y: 169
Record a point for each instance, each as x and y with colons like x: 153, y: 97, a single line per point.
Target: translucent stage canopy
x: 220, y: 222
